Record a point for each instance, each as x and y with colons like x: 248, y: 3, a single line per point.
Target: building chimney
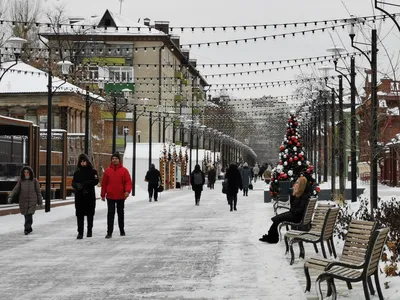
x: 176, y: 40
x: 186, y: 53
x: 146, y: 21
x: 193, y: 62
x: 162, y: 26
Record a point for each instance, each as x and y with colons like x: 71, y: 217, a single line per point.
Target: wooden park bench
x: 305, y: 222
x: 56, y: 184
x: 282, y: 200
x: 351, y: 272
x: 321, y: 231
x: 354, y: 250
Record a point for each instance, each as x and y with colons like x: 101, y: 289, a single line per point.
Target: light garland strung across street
x: 312, y: 59
x: 222, y: 85
x: 143, y: 28
x: 255, y: 39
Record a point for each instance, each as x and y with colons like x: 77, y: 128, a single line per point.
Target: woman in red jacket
x: 116, y: 186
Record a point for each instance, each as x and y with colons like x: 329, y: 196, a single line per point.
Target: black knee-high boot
x: 89, y: 225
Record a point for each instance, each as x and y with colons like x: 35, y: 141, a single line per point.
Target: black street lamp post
x: 88, y: 104
x: 135, y: 131
x: 353, y: 142
x: 325, y: 138
x: 374, y: 109
x: 377, y: 2
x: 65, y: 65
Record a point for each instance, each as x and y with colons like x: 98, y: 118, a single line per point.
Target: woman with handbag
x: 28, y: 193
x: 84, y: 181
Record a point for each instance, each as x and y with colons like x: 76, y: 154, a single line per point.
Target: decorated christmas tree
x: 293, y: 162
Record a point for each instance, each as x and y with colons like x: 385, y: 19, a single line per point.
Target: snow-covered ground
x: 172, y: 250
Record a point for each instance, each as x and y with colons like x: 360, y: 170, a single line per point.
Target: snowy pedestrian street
x: 172, y: 250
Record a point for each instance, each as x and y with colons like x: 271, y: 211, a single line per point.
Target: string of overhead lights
x: 130, y: 80
x: 248, y: 39
x: 32, y: 58
x: 150, y: 29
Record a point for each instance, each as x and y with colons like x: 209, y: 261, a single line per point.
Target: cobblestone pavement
x: 172, y: 250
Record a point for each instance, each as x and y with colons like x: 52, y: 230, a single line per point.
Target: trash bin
x: 267, y: 196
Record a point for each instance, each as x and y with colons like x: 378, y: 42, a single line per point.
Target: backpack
x: 197, y: 178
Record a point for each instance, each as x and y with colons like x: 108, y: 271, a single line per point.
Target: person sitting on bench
x: 298, y: 204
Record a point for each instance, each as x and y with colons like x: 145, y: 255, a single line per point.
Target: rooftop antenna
x: 120, y: 6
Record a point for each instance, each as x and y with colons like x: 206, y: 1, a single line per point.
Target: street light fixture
x: 126, y: 131
x: 65, y: 65
x: 325, y: 70
x: 16, y: 44
x: 88, y: 104
x: 374, y: 107
x: 353, y: 142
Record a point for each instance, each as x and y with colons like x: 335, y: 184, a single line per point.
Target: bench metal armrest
x: 343, y: 264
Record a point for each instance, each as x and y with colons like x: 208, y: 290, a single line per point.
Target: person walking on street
x: 28, y: 192
x: 212, y: 175
x: 197, y: 180
x: 256, y: 171
x: 116, y: 186
x: 84, y: 180
x: 246, y: 178
x: 153, y: 178
x: 234, y: 180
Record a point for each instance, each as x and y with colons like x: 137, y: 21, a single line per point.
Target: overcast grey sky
x: 237, y: 12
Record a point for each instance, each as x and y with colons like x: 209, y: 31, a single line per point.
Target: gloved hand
x: 79, y: 186
x: 9, y: 200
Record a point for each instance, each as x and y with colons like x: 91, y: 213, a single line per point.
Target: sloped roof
x: 23, y: 79
x: 95, y: 26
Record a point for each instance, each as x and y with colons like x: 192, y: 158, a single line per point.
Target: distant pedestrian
x: 197, y: 180
x: 116, y: 186
x: 211, y: 177
x: 153, y: 179
x: 256, y: 171
x: 234, y: 180
x: 28, y: 192
x: 246, y: 178
x: 84, y: 180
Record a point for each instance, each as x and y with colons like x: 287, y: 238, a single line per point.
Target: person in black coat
x: 153, y: 178
x: 84, y: 181
x: 197, y: 180
x: 212, y: 175
x: 298, y: 205
x: 234, y: 180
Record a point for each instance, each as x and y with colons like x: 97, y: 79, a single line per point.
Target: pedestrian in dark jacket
x: 197, y: 180
x: 153, y: 178
x: 116, y: 186
x: 84, y: 181
x: 298, y: 204
x: 234, y: 180
x: 29, y: 195
x: 245, y: 172
x: 212, y: 175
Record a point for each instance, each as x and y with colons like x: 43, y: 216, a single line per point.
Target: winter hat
x: 117, y: 155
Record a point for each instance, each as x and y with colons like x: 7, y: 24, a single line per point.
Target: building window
x: 120, y: 130
x: 43, y: 122
x: 31, y: 118
x: 117, y: 74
